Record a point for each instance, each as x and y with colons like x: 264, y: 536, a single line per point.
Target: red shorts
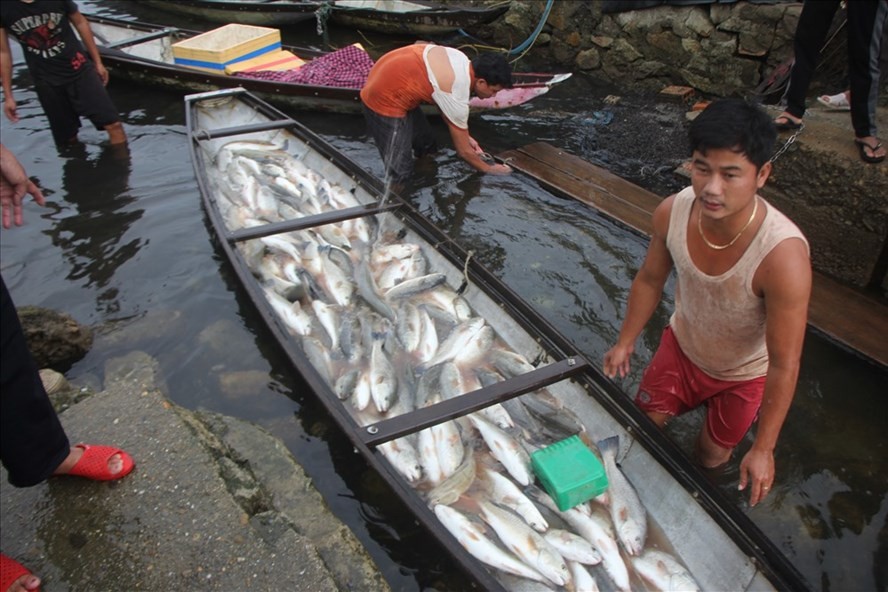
x: 673, y: 385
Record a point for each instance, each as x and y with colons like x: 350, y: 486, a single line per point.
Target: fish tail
x: 609, y: 445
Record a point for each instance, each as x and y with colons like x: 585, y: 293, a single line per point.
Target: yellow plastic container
x: 569, y: 472
x: 214, y: 50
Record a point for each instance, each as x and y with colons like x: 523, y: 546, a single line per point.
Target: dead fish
x: 503, y: 491
x: 504, y: 448
x: 471, y: 536
x: 526, y: 543
x: 664, y: 572
x: 626, y: 509
x: 450, y: 489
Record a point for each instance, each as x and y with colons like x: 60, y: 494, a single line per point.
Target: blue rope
x: 529, y: 41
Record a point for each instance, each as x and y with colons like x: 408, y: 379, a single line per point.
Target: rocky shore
x: 214, y: 503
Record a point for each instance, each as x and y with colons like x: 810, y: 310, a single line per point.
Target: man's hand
x: 499, y: 169
x: 757, y: 466
x: 103, y: 73
x: 9, y: 107
x: 617, y: 360
x: 14, y: 184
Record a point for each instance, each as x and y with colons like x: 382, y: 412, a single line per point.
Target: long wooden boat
x: 263, y: 13
x: 418, y: 353
x: 412, y: 17
x: 142, y: 53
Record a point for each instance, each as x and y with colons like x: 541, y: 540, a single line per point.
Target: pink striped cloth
x: 347, y: 67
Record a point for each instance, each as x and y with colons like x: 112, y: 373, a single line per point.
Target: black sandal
x: 861, y: 146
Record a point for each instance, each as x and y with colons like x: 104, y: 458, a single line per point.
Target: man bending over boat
x: 405, y: 78
x: 734, y: 341
x: 68, y: 75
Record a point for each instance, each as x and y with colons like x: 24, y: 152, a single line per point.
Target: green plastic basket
x: 569, y: 472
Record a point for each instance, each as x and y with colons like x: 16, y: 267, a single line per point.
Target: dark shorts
x: 84, y: 97
x: 673, y: 385
x: 399, y: 140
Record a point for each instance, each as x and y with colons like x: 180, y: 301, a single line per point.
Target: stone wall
x: 719, y: 49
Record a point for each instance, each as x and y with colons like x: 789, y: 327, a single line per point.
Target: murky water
x: 123, y: 245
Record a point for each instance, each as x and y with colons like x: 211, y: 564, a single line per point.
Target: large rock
x: 56, y: 339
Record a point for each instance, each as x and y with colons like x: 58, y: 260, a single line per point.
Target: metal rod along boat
x: 263, y: 13
x: 312, y: 238
x: 142, y: 53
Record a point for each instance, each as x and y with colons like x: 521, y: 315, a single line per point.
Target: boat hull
x: 719, y: 545
x: 150, y: 62
x: 445, y: 18
x: 262, y: 14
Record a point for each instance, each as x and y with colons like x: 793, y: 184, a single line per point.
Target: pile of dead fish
x: 389, y: 336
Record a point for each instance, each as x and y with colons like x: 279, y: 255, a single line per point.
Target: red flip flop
x: 10, y: 571
x: 94, y: 463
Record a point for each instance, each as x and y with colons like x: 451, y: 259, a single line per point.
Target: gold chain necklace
x: 733, y: 240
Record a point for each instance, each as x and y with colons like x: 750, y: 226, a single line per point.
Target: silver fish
x: 449, y: 445
x: 504, y: 448
x: 501, y: 490
x: 409, y: 326
x: 450, y: 489
x: 403, y: 456
x: 413, y: 286
x: 290, y: 313
x: 572, y: 546
x: 510, y: 363
x: 383, y: 382
x: 626, y: 509
x: 583, y: 581
x: 472, y: 538
x: 329, y: 318
x: 526, y: 543
x: 361, y: 395
x: 597, y: 531
x: 319, y: 357
x: 345, y: 384
x: 458, y: 340
x: 428, y: 341
x: 370, y: 293
x: 428, y: 456
x: 664, y: 572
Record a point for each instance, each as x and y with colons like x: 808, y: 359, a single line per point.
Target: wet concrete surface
x: 214, y: 503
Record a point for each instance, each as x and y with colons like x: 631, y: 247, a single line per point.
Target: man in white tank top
x: 743, y: 270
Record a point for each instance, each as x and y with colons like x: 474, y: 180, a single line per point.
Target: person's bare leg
x: 116, y: 135
x: 115, y: 463
x: 709, y: 454
x: 659, y: 418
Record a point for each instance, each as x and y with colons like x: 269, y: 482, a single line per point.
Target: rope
x: 521, y: 49
x: 322, y: 15
x: 465, y: 282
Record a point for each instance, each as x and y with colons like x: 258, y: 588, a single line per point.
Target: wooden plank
x: 584, y: 182
x: 847, y: 316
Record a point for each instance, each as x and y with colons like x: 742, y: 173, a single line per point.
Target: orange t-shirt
x: 398, y: 82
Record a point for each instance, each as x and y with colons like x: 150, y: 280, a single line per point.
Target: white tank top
x: 719, y: 321
x: 455, y: 104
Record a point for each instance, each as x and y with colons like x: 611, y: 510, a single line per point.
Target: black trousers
x: 399, y: 140
x: 866, y: 22
x: 32, y: 441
